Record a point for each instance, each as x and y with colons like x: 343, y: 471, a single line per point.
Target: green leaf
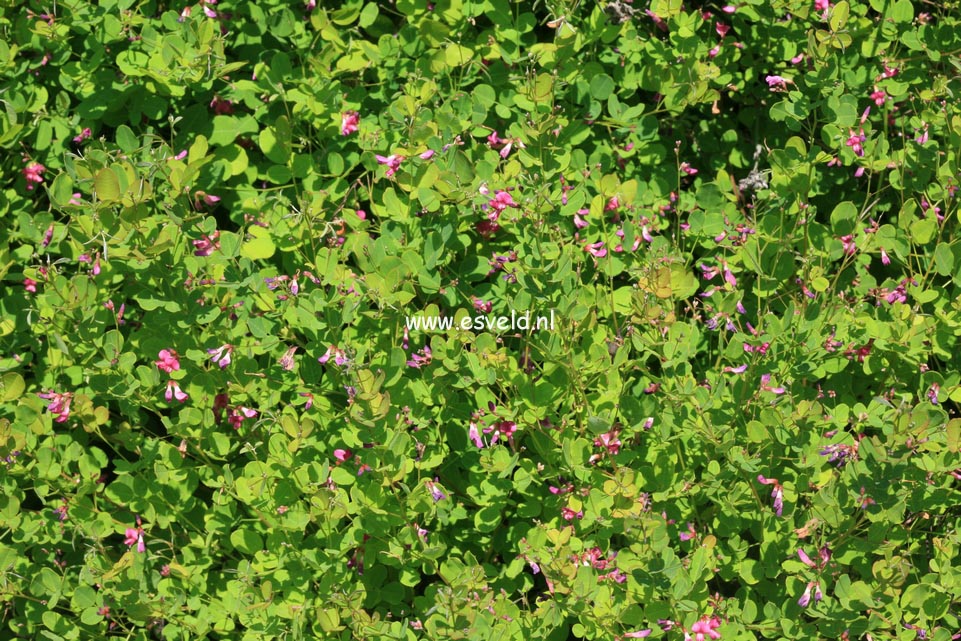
x: 924, y: 230
x: 61, y: 190
x: 107, y: 185
x: 11, y: 387
x: 844, y: 218
x: 943, y: 259
x: 839, y: 15
x: 261, y: 246
x: 127, y: 140
x: 602, y: 86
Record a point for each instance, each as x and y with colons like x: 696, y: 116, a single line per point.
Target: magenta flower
x: 878, y: 96
x: 690, y: 534
x: 805, y: 597
x: 821, y: 5
x: 850, y: 247
x: 933, y: 393
x: 169, y: 361
x: 135, y: 536
x: 342, y: 455
x: 427, y: 155
x: 349, y: 122
x: 86, y: 133
x: 30, y: 285
x: 687, y: 169
x: 32, y: 173
x: 59, y: 404
x: 174, y: 391
x: 805, y: 559
x: 393, y: 163
x: 221, y: 355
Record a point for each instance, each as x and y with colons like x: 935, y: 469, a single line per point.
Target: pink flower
x: 716, y: 49
x: 86, y: 133
x: 30, y: 285
x: 75, y: 199
x: 884, y: 257
x: 596, y: 249
x: 238, y: 414
x: 393, y: 163
x: 765, y: 385
x: 342, y: 455
x: 878, y: 96
x: 778, y: 83
x: 135, y: 536
x: 349, y: 122
x: 806, y: 596
x: 690, y: 534
x: 579, y: 222
x: 687, y: 169
x: 637, y: 634
x: 796, y: 59
x: 221, y: 355
x: 721, y: 29
x: 59, y: 404
x: 570, y: 515
x: 501, y: 201
x: 728, y: 9
x: 474, y: 435
x: 854, y: 141
x: 933, y: 393
x: 207, y: 245
x: 340, y: 356
x: 220, y: 106
x: 420, y: 359
x: 427, y: 155
x: 850, y: 248
x: 169, y: 360
x: 287, y: 360
x: 821, y: 5
x: 32, y: 173
x: 174, y: 391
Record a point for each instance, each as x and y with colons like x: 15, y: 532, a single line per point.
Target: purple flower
x: 435, y: 491
x: 221, y: 355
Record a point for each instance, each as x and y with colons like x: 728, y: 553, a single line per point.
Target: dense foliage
x: 216, y: 218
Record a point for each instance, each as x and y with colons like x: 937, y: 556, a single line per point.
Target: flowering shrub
x: 214, y: 423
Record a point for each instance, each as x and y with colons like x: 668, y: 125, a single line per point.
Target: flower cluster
x: 59, y: 404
